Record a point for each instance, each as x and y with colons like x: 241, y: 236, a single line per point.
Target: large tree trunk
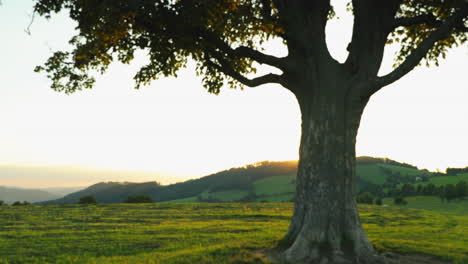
x: 325, y: 227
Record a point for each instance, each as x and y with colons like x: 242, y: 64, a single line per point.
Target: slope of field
x: 432, y: 203
x: 442, y: 180
x: 200, y: 233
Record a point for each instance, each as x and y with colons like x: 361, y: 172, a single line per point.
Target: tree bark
x: 326, y: 227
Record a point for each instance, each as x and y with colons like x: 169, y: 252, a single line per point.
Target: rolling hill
x: 263, y: 181
x: 10, y: 195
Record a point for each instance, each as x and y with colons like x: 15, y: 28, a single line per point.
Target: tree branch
x: 229, y: 71
x: 259, y: 57
x: 245, y: 52
x: 428, y: 19
x: 418, y: 54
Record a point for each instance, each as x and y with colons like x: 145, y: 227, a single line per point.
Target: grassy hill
x: 263, y: 181
x: 201, y: 233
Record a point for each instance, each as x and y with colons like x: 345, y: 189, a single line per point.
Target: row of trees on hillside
x: 17, y: 203
x: 140, y: 198
x: 445, y: 192
x: 455, y: 171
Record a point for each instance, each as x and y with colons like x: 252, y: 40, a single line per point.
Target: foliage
x: 220, y: 36
x: 378, y: 201
x: 141, y: 198
x: 400, y: 200
x: 455, y: 171
x: 2, y: 203
x: 200, y: 233
x: 18, y: 203
x: 365, y: 198
x: 88, y: 199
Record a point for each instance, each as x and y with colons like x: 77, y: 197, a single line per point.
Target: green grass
x: 199, y: 233
x: 371, y: 173
x: 432, y: 203
x: 442, y: 180
x: 275, y: 185
x: 227, y: 196
x: 404, y: 171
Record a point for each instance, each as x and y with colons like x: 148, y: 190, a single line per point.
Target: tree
x: 88, y: 199
x: 2, y: 202
x: 225, y: 37
x: 378, y: 201
x: 366, y: 198
x: 461, y: 189
x: 450, y: 192
x: 407, y: 189
x: 142, y: 198
x: 400, y: 200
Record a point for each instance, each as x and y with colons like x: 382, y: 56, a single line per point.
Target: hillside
x: 10, y: 195
x: 263, y: 181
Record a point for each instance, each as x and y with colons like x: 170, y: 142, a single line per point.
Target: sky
x: 173, y: 130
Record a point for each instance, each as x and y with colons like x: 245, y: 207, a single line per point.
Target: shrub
x: 141, y: 198
x: 378, y: 201
x: 400, y: 200
x: 2, y: 203
x: 88, y: 199
x: 365, y: 198
x: 18, y: 203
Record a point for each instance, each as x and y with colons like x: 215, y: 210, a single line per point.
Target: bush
x: 88, y: 199
x: 365, y: 198
x: 2, y: 203
x: 18, y: 203
x: 378, y: 201
x: 400, y: 200
x: 142, y: 198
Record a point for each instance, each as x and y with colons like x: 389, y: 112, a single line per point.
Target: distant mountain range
x: 263, y: 181
x: 10, y: 195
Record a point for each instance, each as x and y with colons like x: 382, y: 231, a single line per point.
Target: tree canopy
x: 224, y: 37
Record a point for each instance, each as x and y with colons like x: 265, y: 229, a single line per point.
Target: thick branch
x: 260, y: 57
x: 418, y: 54
x: 224, y: 68
x: 428, y: 19
x: 244, y: 52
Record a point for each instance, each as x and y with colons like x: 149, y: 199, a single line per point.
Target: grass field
x: 432, y: 203
x: 200, y: 233
x: 442, y: 180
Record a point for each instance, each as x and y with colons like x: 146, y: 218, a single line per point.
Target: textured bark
x: 325, y: 227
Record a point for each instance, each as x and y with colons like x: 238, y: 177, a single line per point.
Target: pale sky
x: 175, y: 128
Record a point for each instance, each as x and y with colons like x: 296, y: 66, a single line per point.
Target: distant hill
x: 10, y: 195
x: 62, y: 191
x: 262, y: 181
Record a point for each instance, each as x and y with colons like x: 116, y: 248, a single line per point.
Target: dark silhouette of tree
x: 400, y: 200
x: 461, y: 189
x: 224, y: 38
x: 407, y: 189
x: 365, y: 198
x: 88, y: 199
x: 378, y: 201
x: 450, y: 192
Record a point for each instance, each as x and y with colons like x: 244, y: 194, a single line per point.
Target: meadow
x: 201, y: 232
x: 459, y: 207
